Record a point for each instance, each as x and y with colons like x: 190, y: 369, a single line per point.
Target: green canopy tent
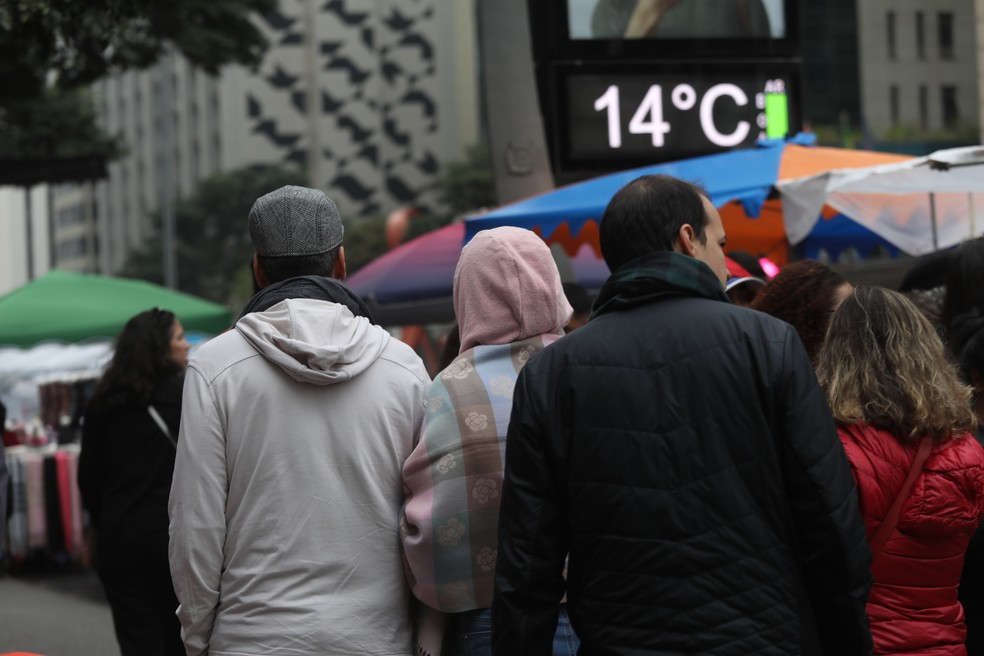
x: 71, y: 307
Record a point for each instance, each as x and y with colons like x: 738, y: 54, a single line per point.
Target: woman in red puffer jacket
x: 890, y: 385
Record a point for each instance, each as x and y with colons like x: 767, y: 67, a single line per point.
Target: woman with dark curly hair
x: 904, y: 419
x: 125, y: 469
x: 804, y: 294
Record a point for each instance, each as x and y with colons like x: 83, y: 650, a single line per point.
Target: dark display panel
x: 609, y: 118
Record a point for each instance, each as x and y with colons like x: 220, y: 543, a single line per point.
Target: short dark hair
x: 578, y: 297
x: 278, y: 269
x: 646, y: 215
x: 971, y: 356
x: 964, y: 294
x: 748, y: 262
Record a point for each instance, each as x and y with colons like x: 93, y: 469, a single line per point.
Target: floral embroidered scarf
x: 453, y: 477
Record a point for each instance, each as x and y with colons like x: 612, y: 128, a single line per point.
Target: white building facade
x: 919, y: 66
x: 25, y: 246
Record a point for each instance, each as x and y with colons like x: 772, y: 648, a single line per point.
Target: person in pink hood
x: 510, y: 305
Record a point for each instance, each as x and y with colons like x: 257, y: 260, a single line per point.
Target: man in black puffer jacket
x: 680, y: 450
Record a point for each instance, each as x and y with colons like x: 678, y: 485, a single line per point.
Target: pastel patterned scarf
x: 454, y: 476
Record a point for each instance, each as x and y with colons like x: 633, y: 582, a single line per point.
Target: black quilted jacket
x: 683, y: 454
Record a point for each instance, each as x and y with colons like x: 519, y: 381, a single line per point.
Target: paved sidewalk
x: 55, y: 614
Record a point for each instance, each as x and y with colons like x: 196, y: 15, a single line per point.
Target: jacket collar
x: 314, y: 287
x: 651, y: 277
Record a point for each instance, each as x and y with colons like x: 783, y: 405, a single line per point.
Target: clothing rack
x: 46, y: 505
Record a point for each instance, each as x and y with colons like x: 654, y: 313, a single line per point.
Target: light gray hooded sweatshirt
x: 287, y: 488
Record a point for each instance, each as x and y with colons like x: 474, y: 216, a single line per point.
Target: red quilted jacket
x: 913, y: 604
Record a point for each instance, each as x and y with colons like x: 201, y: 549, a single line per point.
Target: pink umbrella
x: 412, y: 283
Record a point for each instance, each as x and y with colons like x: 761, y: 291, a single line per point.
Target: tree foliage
x: 60, y: 123
x: 51, y: 50
x: 213, y: 249
x: 365, y: 240
x: 212, y: 245
x: 78, y: 42
x: 467, y: 186
x: 464, y: 186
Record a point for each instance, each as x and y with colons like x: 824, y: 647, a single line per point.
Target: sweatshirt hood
x: 313, y: 341
x: 507, y: 288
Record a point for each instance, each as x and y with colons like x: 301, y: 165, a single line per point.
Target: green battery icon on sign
x: 776, y: 115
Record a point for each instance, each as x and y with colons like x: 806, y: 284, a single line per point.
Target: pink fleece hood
x: 507, y: 288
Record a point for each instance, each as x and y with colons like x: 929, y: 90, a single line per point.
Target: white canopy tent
x: 22, y: 370
x: 920, y: 206
x: 55, y: 358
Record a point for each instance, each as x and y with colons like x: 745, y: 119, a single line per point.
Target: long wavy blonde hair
x: 883, y: 364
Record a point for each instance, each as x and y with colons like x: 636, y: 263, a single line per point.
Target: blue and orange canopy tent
x: 412, y: 283
x: 740, y: 183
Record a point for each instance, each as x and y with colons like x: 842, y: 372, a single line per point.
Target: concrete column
x: 520, y: 161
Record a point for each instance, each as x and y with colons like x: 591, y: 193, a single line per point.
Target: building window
x: 951, y: 116
x: 72, y: 248
x: 920, y: 35
x: 217, y: 149
x: 944, y: 25
x: 71, y: 216
x: 890, y: 36
x: 893, y: 103
x: 196, y: 155
x: 923, y: 107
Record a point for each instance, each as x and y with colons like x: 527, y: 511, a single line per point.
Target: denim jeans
x: 473, y: 634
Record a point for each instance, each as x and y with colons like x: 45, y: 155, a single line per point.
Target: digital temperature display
x: 645, y: 118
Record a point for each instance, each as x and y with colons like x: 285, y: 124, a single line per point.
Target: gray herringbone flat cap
x: 294, y: 221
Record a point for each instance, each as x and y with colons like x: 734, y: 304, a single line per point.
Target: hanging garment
x: 72, y: 460
x: 52, y: 506
x: 64, y: 499
x: 37, y: 532
x: 17, y: 526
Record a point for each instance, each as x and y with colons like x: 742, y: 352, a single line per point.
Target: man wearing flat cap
x: 287, y: 483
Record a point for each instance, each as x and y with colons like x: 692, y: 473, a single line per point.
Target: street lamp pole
x: 168, y: 173
x: 520, y: 163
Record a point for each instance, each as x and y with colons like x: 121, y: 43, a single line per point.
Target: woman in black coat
x: 963, y: 326
x: 125, y: 473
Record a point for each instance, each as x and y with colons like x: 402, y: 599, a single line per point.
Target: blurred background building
x: 918, y: 69
x: 895, y: 75
x: 369, y: 97
x: 373, y: 97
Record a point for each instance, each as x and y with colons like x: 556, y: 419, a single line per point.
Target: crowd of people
x: 696, y: 463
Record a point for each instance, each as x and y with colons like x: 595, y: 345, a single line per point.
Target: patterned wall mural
x: 363, y: 99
